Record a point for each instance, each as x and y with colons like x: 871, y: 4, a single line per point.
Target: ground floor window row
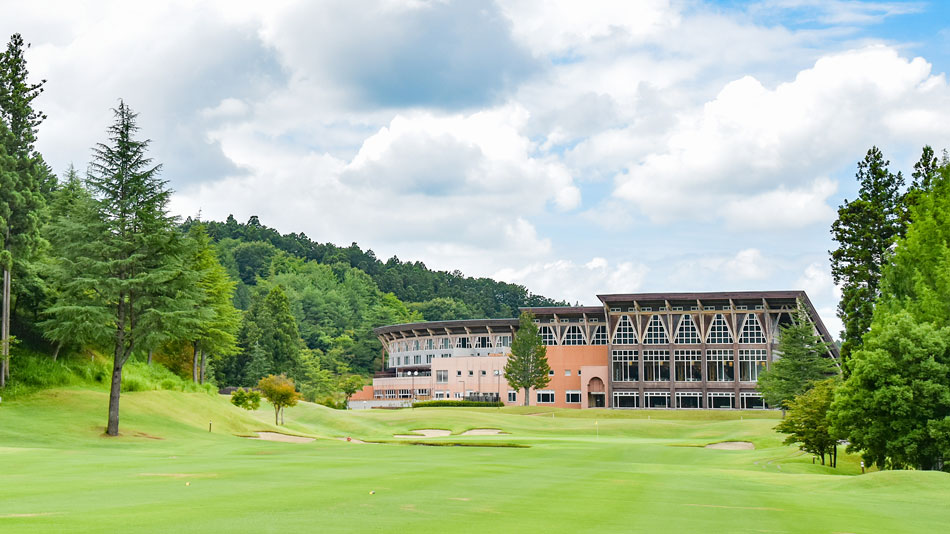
x: 687, y: 365
x: 687, y: 399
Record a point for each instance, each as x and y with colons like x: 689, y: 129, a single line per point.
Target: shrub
x: 249, y: 400
x: 457, y: 404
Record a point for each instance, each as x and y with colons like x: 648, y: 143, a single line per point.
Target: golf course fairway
x: 547, y: 471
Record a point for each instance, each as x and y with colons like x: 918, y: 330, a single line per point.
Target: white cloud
x: 574, y: 282
x: 754, y: 146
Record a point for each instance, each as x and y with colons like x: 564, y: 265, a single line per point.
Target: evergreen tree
x: 805, y: 360
x: 269, y: 340
x: 22, y: 174
x: 527, y: 366
x: 125, y: 253
x: 217, y: 320
x: 895, y: 406
x: 865, y: 230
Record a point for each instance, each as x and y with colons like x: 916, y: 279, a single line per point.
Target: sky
x: 577, y: 148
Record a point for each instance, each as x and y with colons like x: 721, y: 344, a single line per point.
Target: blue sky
x: 573, y: 147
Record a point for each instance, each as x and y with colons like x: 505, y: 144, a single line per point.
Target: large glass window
x: 572, y: 397
x: 656, y: 332
x: 442, y: 376
x: 751, y: 364
x: 656, y: 365
x: 482, y: 342
x: 547, y: 336
x: 720, y: 366
x: 429, y: 344
x: 689, y: 365
x: 503, y: 341
x: 656, y: 399
x: 751, y: 401
x: 574, y: 336
x: 415, y: 344
x: 545, y: 396
x: 512, y: 396
x: 417, y: 359
x: 600, y: 336
x: 625, y: 366
x: 626, y: 399
x: 625, y: 334
x: 752, y: 330
x: 463, y: 343
x: 689, y: 399
x: 446, y: 343
x: 687, y: 333
x: 719, y: 331
x: 720, y: 399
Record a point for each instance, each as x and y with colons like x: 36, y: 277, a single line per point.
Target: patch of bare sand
x: 732, y: 446
x: 13, y: 516
x: 483, y: 432
x: 351, y: 440
x: 425, y: 433
x: 277, y: 436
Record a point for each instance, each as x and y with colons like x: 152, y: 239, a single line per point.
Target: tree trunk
x: 113, y: 428
x: 822, y: 458
x: 201, y: 375
x: 5, y: 330
x: 281, y: 415
x: 194, y: 363
x: 276, y: 413
x: 526, y: 396
x: 834, y: 457
x: 149, y: 361
x: 59, y: 346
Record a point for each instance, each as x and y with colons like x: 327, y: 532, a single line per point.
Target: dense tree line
x: 893, y: 263
x: 437, y: 295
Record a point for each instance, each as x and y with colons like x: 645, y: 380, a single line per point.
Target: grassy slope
x: 641, y: 473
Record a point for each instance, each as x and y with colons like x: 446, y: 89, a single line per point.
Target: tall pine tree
x: 22, y: 205
x: 865, y: 230
x: 125, y: 252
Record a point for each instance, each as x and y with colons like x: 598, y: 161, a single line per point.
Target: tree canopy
x: 527, y: 366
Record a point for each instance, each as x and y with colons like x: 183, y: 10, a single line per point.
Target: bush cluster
x: 457, y: 404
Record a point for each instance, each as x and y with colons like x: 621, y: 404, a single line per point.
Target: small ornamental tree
x: 527, y: 366
x: 280, y: 391
x: 249, y: 400
x: 808, y: 423
x: 350, y: 385
x: 806, y: 359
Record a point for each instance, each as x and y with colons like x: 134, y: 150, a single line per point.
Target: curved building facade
x: 638, y: 350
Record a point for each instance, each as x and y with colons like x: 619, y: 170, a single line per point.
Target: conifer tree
x: 527, y: 366
x: 805, y: 360
x: 217, y: 318
x: 125, y: 253
x: 22, y: 205
x: 865, y: 230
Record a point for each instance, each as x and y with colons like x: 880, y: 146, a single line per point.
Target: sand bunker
x: 425, y: 433
x: 731, y: 446
x: 286, y: 438
x: 351, y: 440
x: 483, y: 432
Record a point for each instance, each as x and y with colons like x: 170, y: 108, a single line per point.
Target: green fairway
x: 581, y: 471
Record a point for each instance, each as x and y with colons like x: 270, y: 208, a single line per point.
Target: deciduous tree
x: 808, y: 424
x: 527, y: 366
x: 280, y: 391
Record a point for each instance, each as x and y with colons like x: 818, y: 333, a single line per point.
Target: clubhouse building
x: 641, y: 350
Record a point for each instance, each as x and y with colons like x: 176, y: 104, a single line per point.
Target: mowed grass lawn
x: 590, y: 471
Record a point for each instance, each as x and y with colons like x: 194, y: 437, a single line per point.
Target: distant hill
x: 437, y: 295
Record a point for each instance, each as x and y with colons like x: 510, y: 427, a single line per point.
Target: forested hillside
x: 437, y: 295
x: 331, y: 298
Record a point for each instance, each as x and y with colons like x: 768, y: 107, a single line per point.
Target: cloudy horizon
x: 574, y: 149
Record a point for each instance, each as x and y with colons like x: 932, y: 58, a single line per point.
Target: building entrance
x: 596, y: 393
